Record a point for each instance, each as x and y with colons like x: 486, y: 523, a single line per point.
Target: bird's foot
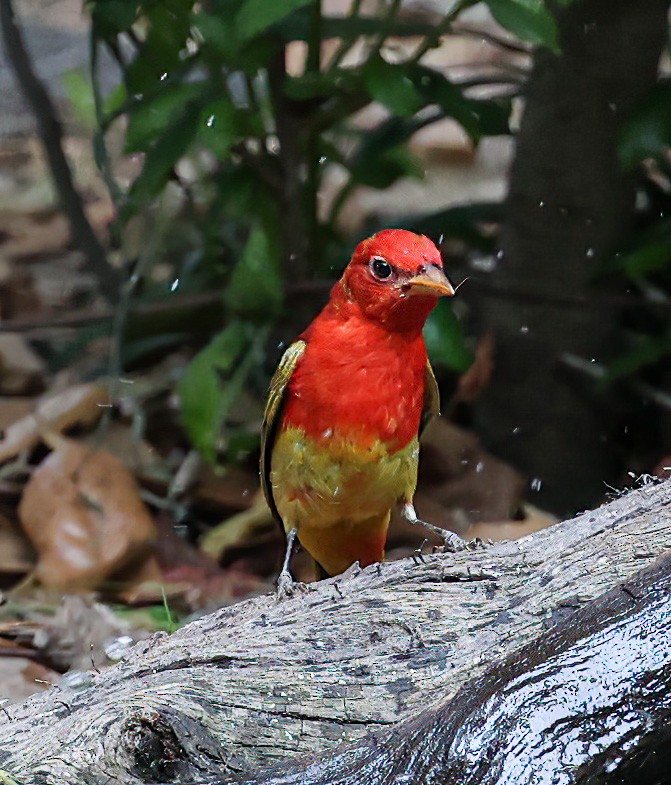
x: 452, y: 542
x: 286, y: 586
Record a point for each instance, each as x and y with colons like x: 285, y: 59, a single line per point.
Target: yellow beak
x: 432, y: 283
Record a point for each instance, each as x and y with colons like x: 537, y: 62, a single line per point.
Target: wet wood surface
x: 360, y: 660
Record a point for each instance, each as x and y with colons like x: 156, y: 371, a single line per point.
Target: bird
x: 346, y: 406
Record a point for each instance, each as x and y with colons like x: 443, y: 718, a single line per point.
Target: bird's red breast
x: 341, y: 429
x: 357, y: 380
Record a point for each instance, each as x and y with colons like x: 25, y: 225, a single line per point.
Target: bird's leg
x: 453, y: 542
x: 285, y: 583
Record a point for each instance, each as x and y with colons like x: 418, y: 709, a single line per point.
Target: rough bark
x: 569, y: 205
x: 264, y: 681
x: 589, y: 703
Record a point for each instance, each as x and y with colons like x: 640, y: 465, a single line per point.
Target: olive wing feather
x: 431, y: 407
x: 273, y: 414
x: 273, y: 411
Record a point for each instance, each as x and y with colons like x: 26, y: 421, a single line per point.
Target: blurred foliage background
x: 249, y: 120
x: 213, y: 163
x: 241, y: 111
x: 242, y: 149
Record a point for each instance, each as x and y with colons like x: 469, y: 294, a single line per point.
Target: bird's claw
x: 286, y: 586
x: 453, y: 543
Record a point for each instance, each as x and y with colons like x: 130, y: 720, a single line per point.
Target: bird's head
x: 396, y: 277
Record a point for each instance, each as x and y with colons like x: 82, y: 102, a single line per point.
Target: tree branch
x: 357, y: 659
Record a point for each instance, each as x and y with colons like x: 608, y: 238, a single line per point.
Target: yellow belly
x: 338, y: 495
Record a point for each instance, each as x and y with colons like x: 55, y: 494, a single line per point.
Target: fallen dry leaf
x: 236, y: 531
x: 478, y: 377
x: 78, y: 405
x: 82, y: 511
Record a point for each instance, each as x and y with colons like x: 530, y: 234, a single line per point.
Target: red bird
x: 347, y: 404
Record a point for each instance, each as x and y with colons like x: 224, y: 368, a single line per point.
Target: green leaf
x: 80, y: 94
x: 111, y: 17
x: 647, y: 131
x: 529, y: 20
x: 114, y: 101
x: 647, y: 350
x: 160, y: 161
x: 149, y: 617
x: 648, y: 258
x: 386, y: 168
x: 255, y: 16
x: 255, y: 288
x: 211, y: 384
x: 445, y: 341
x: 217, y: 32
x: 649, y: 251
x: 164, y: 48
x: 150, y: 116
x: 312, y: 85
x: 217, y: 128
x: 392, y: 86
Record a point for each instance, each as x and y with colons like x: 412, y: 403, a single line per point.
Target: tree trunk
x: 263, y: 682
x: 569, y: 206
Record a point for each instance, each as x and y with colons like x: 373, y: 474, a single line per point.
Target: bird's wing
x: 431, y: 406
x: 273, y: 414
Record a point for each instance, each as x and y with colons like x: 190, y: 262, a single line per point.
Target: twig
x: 599, y: 372
x: 291, y: 134
x: 51, y: 133
x: 445, y: 26
x: 345, y: 44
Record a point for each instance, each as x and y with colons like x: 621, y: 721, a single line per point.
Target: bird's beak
x: 432, y: 283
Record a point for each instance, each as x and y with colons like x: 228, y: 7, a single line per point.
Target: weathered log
x: 588, y: 702
x: 264, y: 682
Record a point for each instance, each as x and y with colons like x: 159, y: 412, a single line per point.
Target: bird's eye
x: 381, y: 268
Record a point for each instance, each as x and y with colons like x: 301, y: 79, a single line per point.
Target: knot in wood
x: 153, y: 747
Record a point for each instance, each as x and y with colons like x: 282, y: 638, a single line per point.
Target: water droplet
x: 516, y: 430
x: 589, y: 253
x: 174, y: 285
x: 484, y: 264
x: 327, y: 433
x: 479, y: 466
x: 536, y: 484
x: 524, y: 329
x: 440, y: 239
x: 323, y: 159
x: 164, y: 76
x: 541, y: 203
x: 210, y: 121
x: 117, y: 649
